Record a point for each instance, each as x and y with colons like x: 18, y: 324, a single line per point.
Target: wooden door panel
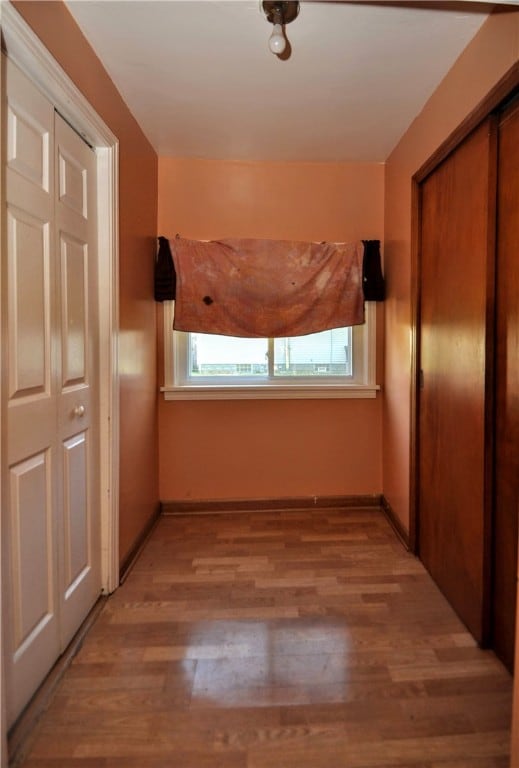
x: 75, y: 512
x: 28, y: 525
x: 31, y: 542
x: 507, y: 392
x: 34, y: 639
x: 50, y: 510
x: 29, y: 135
x: 457, y: 215
x: 74, y: 306
x: 28, y: 278
x: 77, y: 399
x: 72, y: 183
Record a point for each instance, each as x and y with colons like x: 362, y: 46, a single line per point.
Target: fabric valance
x: 264, y: 288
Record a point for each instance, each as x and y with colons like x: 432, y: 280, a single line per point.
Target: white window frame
x: 177, y: 386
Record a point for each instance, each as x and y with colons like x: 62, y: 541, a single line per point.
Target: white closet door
x: 31, y: 483
x: 50, y: 516
x: 76, y: 239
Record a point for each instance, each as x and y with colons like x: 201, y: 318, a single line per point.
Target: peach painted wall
x: 485, y: 60
x: 54, y: 25
x: 270, y: 448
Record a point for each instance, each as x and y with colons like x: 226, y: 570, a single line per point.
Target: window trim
x: 323, y: 388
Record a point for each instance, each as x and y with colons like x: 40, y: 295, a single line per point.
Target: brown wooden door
x: 507, y: 392
x: 456, y: 332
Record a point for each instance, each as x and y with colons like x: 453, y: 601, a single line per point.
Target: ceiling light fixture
x: 279, y: 13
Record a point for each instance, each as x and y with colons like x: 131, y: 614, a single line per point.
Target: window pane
x: 211, y: 355
x: 320, y: 354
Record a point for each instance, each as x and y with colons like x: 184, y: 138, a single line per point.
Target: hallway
x: 298, y: 639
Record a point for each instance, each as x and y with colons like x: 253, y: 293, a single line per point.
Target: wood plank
x: 349, y: 657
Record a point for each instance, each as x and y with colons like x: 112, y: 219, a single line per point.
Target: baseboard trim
x: 216, y: 506
x: 129, y: 561
x: 395, y: 523
x: 222, y: 506
x: 22, y: 733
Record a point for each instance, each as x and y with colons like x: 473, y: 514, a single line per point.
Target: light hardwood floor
x: 301, y: 639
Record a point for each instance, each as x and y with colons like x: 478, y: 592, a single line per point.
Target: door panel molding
x: 29, y: 240
x: 77, y: 542
x: 74, y: 311
x: 31, y: 539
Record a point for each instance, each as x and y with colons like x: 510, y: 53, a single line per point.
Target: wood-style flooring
x: 298, y: 639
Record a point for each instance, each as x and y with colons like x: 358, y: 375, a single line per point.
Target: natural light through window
x: 320, y: 354
x: 334, y: 363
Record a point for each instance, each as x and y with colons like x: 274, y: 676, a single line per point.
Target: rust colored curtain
x: 267, y: 288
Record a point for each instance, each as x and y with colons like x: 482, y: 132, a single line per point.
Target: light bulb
x: 277, y: 40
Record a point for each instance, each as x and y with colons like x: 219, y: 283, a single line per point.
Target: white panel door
x: 30, y: 480
x: 76, y: 238
x: 50, y: 517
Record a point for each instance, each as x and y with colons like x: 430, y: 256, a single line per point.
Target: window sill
x: 271, y: 392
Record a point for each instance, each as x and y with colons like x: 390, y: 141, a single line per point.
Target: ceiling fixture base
x: 287, y: 10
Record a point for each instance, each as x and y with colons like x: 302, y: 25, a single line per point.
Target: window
x: 334, y: 363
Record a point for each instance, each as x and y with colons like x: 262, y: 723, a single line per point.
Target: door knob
x: 79, y: 410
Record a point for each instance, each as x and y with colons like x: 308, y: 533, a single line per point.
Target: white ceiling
x: 200, y: 80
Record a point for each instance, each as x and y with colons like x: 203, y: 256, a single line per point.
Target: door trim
x: 26, y: 50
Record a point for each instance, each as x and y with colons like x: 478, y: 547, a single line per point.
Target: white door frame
x: 26, y: 50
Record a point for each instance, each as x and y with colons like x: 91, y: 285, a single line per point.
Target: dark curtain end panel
x: 373, y: 283
x: 165, y: 276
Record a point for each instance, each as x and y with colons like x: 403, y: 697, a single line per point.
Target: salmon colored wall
x: 486, y: 59
x: 54, y: 25
x: 270, y: 448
